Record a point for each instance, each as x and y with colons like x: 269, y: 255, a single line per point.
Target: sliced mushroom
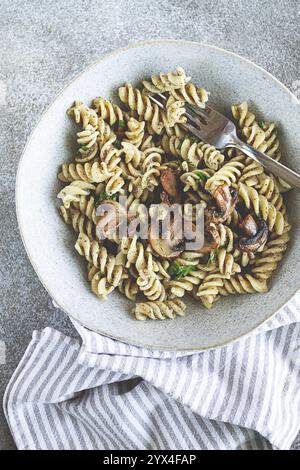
x: 248, y: 225
x: 211, y: 239
x: 110, y: 215
x: 166, y: 198
x: 212, y: 214
x: 226, y: 200
x: 254, y: 242
x: 171, y: 184
x: 167, y: 244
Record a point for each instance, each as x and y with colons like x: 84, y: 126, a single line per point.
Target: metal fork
x: 215, y: 129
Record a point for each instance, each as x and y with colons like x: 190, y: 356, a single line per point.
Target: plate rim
x: 17, y: 193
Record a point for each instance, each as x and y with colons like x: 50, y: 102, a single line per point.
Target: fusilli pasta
x: 144, y: 152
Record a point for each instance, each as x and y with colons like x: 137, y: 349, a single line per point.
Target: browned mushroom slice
x: 167, y: 244
x: 171, y: 184
x: 211, y: 239
x: 226, y: 200
x: 212, y: 214
x: 110, y: 215
x: 253, y: 243
x: 248, y: 225
x: 166, y: 198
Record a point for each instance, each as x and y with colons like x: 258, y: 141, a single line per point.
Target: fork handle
x: 278, y: 169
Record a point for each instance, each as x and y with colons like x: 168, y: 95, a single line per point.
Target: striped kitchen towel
x: 104, y: 394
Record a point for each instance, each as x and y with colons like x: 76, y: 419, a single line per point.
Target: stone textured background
x: 45, y: 44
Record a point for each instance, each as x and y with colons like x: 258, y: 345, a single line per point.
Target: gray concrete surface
x: 43, y: 45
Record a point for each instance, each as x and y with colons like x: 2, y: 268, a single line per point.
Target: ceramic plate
x: 49, y: 242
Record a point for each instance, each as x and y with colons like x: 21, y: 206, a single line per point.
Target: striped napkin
x: 104, y: 394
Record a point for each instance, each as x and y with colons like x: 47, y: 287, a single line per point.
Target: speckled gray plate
x: 49, y: 243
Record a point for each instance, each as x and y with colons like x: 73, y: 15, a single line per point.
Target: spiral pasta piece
x: 251, y: 173
x: 228, y: 174
x: 109, y: 112
x: 97, y: 255
x: 262, y: 135
x: 166, y: 81
x: 268, y: 187
x: 266, y: 263
x: 86, y: 206
x: 282, y: 185
x: 212, y: 157
x: 210, y: 287
x: 132, y: 154
x: 142, y: 105
x: 227, y: 237
x: 271, y: 140
x: 191, y: 152
x: 129, y: 288
x: 135, y: 253
x: 83, y: 114
x: 171, y: 145
x: 115, y: 183
x: 150, y: 285
x: 87, y: 137
x: 262, y: 208
x: 147, y: 178
x: 191, y: 95
x: 105, y: 133
x: 226, y: 263
x: 255, y: 136
x: 73, y: 191
x: 242, y: 114
x: 227, y: 242
x: 174, y: 112
x: 159, y: 310
x: 99, y: 283
x: 90, y: 172
x: 243, y: 258
x: 79, y: 222
x: 243, y: 284
x: 178, y: 287
x: 135, y: 132
x: 192, y: 258
x: 195, y: 179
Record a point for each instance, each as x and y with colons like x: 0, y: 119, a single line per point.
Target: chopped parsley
x: 117, y: 144
x: 192, y: 139
x: 121, y: 124
x: 84, y: 148
x: 262, y: 124
x: 212, y: 256
x: 201, y: 175
x: 105, y: 196
x: 178, y: 270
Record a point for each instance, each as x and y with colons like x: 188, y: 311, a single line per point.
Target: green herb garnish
x: 121, y: 124
x: 262, y: 124
x: 192, y: 139
x: 212, y: 256
x: 117, y: 144
x: 178, y: 270
x: 201, y: 175
x: 105, y: 196
x: 84, y: 148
